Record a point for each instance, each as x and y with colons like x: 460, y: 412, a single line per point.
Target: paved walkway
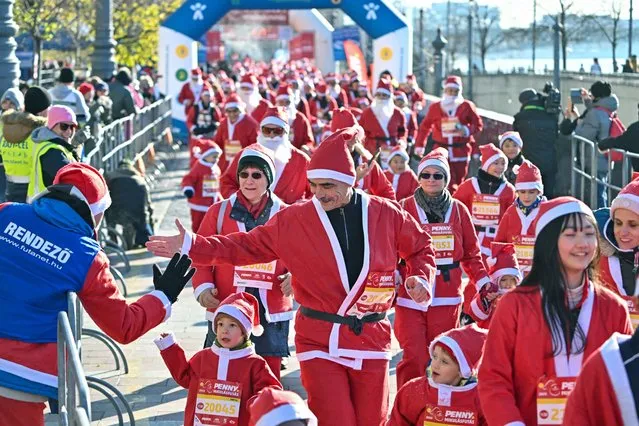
x: 154, y: 396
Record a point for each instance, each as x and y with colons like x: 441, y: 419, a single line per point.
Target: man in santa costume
x: 453, y: 122
x: 335, y: 91
x: 228, y: 86
x: 250, y: 96
x: 49, y: 249
x: 265, y: 90
x: 290, y: 183
x: 369, y: 175
x: 301, y: 134
x: 401, y: 102
x: 293, y: 80
x: 415, y: 94
x: 274, y: 407
x: 204, y: 117
x: 344, y: 281
x: 321, y: 104
x: 191, y: 91
x: 383, y: 123
x: 237, y: 130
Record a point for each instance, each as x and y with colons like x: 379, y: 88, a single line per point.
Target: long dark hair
x: 547, y: 272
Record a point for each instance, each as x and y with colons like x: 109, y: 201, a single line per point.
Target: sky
x: 520, y: 13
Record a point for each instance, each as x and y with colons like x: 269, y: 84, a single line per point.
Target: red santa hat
x: 227, y: 83
x: 489, y: 154
x: 438, y: 157
x: 333, y: 160
x: 196, y: 72
x: 284, y: 92
x: 503, y: 261
x: 274, y: 407
x: 233, y: 101
x: 453, y: 82
x: 398, y: 151
x: 410, y: 78
x: 401, y: 95
x: 244, y: 308
x: 87, y: 184
x: 628, y: 198
x: 466, y: 344
x: 513, y: 136
x: 248, y: 81
x: 344, y: 118
x: 208, y: 147
x: 321, y: 88
x: 529, y: 177
x: 384, y: 86
x: 276, y: 116
x: 331, y: 77
x: 557, y: 207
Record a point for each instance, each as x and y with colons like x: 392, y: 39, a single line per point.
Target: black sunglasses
x: 254, y: 175
x: 436, y: 176
x: 277, y: 131
x: 65, y: 126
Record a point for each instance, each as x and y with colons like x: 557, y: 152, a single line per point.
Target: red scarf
x: 254, y: 209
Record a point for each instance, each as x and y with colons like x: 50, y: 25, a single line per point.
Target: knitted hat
x: 274, y: 407
x: 384, y: 86
x: 489, y: 154
x: 398, y: 151
x: 60, y: 114
x: 628, y: 198
x: 467, y: 346
x: 513, y: 136
x: 248, y: 81
x: 208, y: 147
x: 232, y: 101
x: 438, y: 157
x: 85, y: 88
x: 36, y: 100
x: 244, y: 308
x: 503, y: 261
x: 529, y: 177
x: 88, y: 185
x: 275, y: 116
x: 260, y: 156
x: 284, y: 92
x: 557, y: 207
x: 342, y: 119
x: 66, y: 75
x: 527, y: 95
x: 332, y: 160
x: 15, y: 96
x: 453, y: 82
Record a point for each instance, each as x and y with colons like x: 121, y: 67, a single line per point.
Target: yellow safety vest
x: 17, y: 159
x: 36, y: 181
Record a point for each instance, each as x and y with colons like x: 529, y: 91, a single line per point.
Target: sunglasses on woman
x: 277, y: 131
x: 254, y: 175
x: 65, y: 126
x: 436, y: 176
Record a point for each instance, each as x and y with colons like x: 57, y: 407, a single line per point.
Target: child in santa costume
x: 201, y: 185
x: 511, y: 144
x: 253, y: 205
x: 504, y: 276
x: 449, y: 224
x: 536, y: 345
x: 224, y: 379
x: 274, y: 407
x: 447, y: 393
x: 517, y: 226
x: 237, y: 130
x: 401, y: 177
x: 453, y: 121
x: 607, y: 389
x: 301, y: 133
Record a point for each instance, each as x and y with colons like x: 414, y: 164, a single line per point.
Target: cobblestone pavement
x: 154, y: 396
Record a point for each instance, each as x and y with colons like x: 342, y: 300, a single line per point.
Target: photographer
x: 536, y: 123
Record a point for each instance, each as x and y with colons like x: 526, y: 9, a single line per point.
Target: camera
x: 552, y: 98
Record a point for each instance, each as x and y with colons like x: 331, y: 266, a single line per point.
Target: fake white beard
x: 452, y: 100
x: 252, y: 99
x: 382, y: 109
x: 281, y: 149
x: 291, y: 111
x: 333, y: 91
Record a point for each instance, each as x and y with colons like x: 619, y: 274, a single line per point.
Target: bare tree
x: 456, y: 39
x: 488, y: 31
x: 564, y: 6
x: 609, y: 26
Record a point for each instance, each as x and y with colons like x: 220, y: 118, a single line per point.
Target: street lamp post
x: 630, y: 32
x: 534, y: 35
x: 469, y: 84
x: 556, y: 73
x: 438, y: 61
x: 103, y: 59
x: 9, y: 63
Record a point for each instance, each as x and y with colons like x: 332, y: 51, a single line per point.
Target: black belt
x: 454, y: 144
x: 445, y: 270
x: 479, y: 228
x: 354, y: 323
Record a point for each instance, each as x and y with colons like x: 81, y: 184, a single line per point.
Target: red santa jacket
x: 417, y: 96
x: 241, y: 367
x: 191, y: 92
x: 199, y: 116
x: 602, y: 395
x: 610, y: 276
x: 291, y: 186
x: 467, y: 193
x: 404, y: 184
x: 316, y: 107
x: 380, y: 136
x: 422, y: 401
x: 411, y: 124
x: 232, y: 137
x: 204, y: 180
x: 277, y: 306
x: 518, y: 350
x: 519, y: 229
x: 301, y: 132
x: 457, y: 226
x: 260, y: 110
x: 302, y: 237
x: 459, y: 146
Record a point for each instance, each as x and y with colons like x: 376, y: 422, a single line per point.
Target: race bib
x: 217, y: 403
x: 552, y: 394
x: 437, y: 415
x: 210, y: 186
x: 260, y: 275
x: 378, y: 294
x: 524, y: 248
x: 449, y: 127
x: 633, y: 307
x: 485, y: 209
x: 231, y: 149
x: 443, y: 242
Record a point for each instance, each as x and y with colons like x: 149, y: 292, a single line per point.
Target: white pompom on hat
x: 245, y: 309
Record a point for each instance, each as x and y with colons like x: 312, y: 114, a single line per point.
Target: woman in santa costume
x: 223, y: 380
x: 383, y: 123
x: 607, y: 389
x: 237, y: 130
x: 544, y: 329
x: 289, y: 181
x: 301, y: 134
x: 453, y: 122
x: 342, y: 248
x: 253, y: 205
x: 255, y: 106
x: 517, y: 224
x: 274, y: 407
x: 447, y: 393
x: 449, y: 224
x: 401, y: 177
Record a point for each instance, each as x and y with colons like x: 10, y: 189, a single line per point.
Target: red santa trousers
x: 415, y: 330
x: 340, y: 395
x: 21, y: 413
x: 458, y: 172
x: 275, y: 364
x: 196, y: 219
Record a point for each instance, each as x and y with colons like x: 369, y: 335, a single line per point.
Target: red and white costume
x: 453, y: 123
x: 404, y: 184
x: 335, y: 91
x: 417, y: 94
x: 411, y: 116
x: 300, y: 133
x: 191, y: 91
x: 315, y: 105
x: 232, y: 137
x: 276, y: 407
x: 256, y: 106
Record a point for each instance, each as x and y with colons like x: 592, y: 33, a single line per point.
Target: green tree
x: 79, y: 21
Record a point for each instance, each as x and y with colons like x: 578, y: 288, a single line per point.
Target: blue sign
x: 340, y: 35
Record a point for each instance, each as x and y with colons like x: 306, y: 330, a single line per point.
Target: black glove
x: 177, y: 273
x: 212, y: 128
x: 199, y: 131
x: 188, y: 193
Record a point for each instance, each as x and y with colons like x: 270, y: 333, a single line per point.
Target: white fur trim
x: 230, y: 105
x: 464, y: 368
x: 274, y: 121
x: 186, y: 188
x: 485, y: 165
x: 384, y: 91
x: 200, y: 289
x: 618, y: 375
x: 165, y: 342
x: 434, y: 163
x: 452, y: 86
x: 282, y: 97
x: 198, y: 208
x: 496, y: 276
x: 530, y: 185
x: 402, y: 154
x: 286, y: 413
x: 165, y: 302
x: 426, y: 304
x: 515, y: 424
x: 210, y: 151
x: 101, y: 205
x: 331, y: 174
x: 232, y: 311
x: 419, y: 150
x: 562, y: 210
x: 247, y: 85
x: 477, y: 311
x: 189, y: 239
x: 482, y: 282
x: 625, y: 201
x: 255, y: 153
